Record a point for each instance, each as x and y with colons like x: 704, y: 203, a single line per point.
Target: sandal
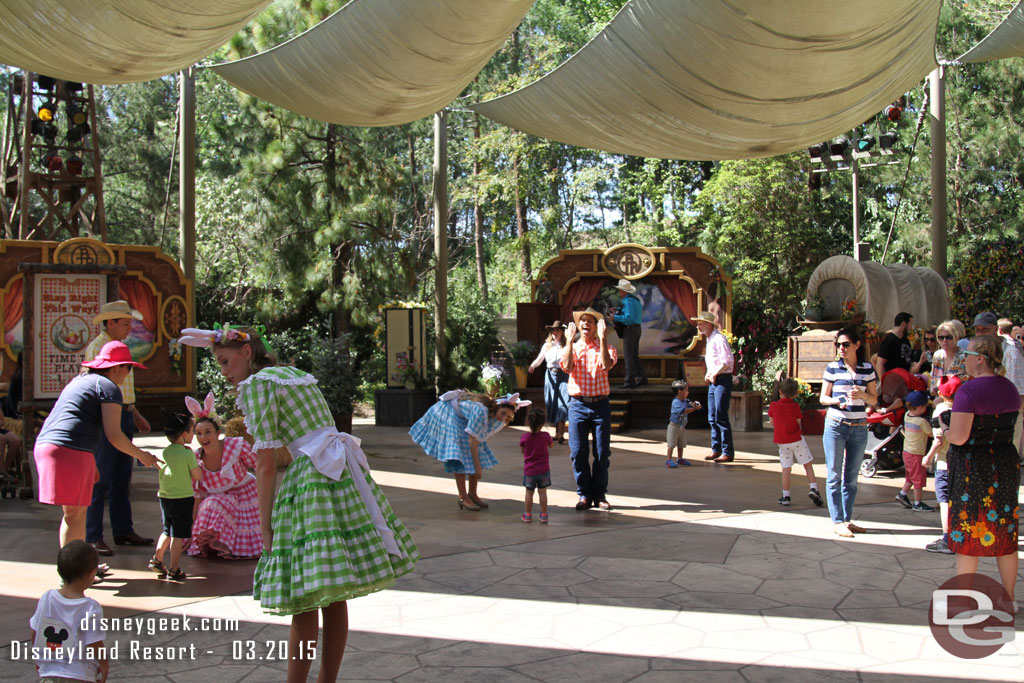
x: 158, y: 567
x: 177, y: 575
x: 526, y: 517
x: 543, y: 518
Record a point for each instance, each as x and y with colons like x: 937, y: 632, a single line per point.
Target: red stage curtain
x: 14, y: 305
x: 140, y: 297
x: 581, y: 292
x: 678, y: 292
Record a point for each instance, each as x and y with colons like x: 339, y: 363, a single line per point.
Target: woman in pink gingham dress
x: 227, y: 516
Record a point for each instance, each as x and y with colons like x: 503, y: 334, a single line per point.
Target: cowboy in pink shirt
x: 588, y: 362
x: 718, y: 359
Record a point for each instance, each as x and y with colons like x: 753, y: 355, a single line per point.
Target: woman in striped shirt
x: 849, y: 387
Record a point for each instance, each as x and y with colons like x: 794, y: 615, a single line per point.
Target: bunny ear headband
x: 201, y: 411
x: 513, y: 401
x: 194, y: 336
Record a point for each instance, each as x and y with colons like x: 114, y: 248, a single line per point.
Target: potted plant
x: 494, y: 377
x: 336, y: 379
x: 813, y: 420
x: 521, y: 353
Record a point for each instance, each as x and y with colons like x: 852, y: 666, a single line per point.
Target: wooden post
x: 440, y: 240
x: 187, y: 176
x: 937, y: 118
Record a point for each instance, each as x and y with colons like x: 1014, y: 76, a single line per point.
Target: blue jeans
x: 584, y: 419
x: 844, y: 450
x: 115, y: 479
x: 719, y: 395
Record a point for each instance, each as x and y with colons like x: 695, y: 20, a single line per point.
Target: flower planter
x: 522, y: 376
x: 813, y: 422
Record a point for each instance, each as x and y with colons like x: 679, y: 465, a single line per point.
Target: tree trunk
x: 521, y: 226
x: 478, y: 215
x: 341, y: 252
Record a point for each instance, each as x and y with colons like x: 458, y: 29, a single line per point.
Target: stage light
x: 51, y: 161
x: 839, y: 145
x: 47, y: 111
x: 887, y: 140
x: 76, y: 115
x: 865, y: 143
x: 894, y: 112
x: 819, y: 150
x: 75, y: 165
x: 76, y: 133
x: 45, y: 82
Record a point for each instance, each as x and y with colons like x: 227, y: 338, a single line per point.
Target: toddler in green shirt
x: 178, y: 470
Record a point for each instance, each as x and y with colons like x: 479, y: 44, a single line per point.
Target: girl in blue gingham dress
x: 330, y: 534
x: 455, y: 431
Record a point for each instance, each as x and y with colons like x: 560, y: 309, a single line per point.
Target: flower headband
x: 194, y: 336
x: 201, y: 411
x: 513, y: 401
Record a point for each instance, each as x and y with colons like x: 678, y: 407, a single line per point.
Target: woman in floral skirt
x: 328, y: 532
x: 984, y: 467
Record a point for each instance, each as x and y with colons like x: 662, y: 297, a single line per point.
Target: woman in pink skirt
x: 88, y: 406
x: 227, y: 513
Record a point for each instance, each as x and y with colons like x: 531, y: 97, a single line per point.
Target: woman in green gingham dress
x: 331, y: 535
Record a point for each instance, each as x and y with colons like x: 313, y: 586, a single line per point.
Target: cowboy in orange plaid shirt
x: 588, y: 362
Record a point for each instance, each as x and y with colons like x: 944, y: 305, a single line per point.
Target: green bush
x: 208, y: 378
x: 337, y: 381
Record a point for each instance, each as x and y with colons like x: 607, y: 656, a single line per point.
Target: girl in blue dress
x: 455, y: 431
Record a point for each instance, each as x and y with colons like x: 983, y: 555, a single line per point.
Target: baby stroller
x: 884, y: 450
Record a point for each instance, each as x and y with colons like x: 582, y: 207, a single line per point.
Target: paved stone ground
x: 694, y: 577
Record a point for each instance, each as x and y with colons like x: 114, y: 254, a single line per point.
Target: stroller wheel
x: 869, y: 467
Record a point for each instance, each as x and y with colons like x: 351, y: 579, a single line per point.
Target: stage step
x: 620, y: 415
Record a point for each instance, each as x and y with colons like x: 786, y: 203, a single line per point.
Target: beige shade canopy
x: 1006, y: 40
x: 728, y: 79
x: 116, y: 41
x: 380, y: 63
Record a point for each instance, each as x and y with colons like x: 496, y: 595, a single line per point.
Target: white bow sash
x: 330, y: 451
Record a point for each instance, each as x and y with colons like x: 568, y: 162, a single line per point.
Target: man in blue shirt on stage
x: 630, y: 315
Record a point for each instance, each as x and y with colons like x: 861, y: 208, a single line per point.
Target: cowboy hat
x: 576, y: 315
x: 115, y: 310
x: 626, y: 286
x: 705, y: 317
x: 112, y: 354
x: 557, y: 325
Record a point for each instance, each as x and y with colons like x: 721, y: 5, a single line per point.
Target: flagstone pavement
x: 696, y: 575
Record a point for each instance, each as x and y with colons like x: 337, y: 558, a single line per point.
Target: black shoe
x: 902, y: 499
x: 132, y: 539
x: 815, y: 497
x: 784, y: 501
x: 641, y: 382
x: 627, y: 385
x: 583, y: 503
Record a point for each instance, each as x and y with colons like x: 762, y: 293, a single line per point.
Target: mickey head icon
x: 55, y: 638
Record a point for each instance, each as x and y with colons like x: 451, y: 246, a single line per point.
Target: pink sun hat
x: 113, y: 353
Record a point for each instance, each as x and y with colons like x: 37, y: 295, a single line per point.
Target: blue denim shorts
x: 537, y: 481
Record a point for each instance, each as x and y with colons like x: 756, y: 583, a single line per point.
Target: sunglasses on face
x: 945, y: 337
x: 972, y: 353
x: 929, y: 340
x: 843, y: 345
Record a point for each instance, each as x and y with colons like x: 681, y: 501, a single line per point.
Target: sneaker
x: 939, y: 546
x: 815, y: 497
x: 543, y: 518
x: 683, y: 462
x: 784, y: 500
x: 671, y: 463
x: 902, y: 499
x: 920, y: 506
x: 527, y: 517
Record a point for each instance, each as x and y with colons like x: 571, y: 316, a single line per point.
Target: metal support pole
x: 440, y: 239
x: 855, y: 174
x: 937, y: 118
x: 187, y: 176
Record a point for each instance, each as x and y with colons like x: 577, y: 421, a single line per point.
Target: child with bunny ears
x: 227, y: 511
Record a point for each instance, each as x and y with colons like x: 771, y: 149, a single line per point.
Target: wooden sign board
x: 64, y: 306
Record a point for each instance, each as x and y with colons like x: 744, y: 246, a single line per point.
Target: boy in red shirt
x: 785, y: 416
